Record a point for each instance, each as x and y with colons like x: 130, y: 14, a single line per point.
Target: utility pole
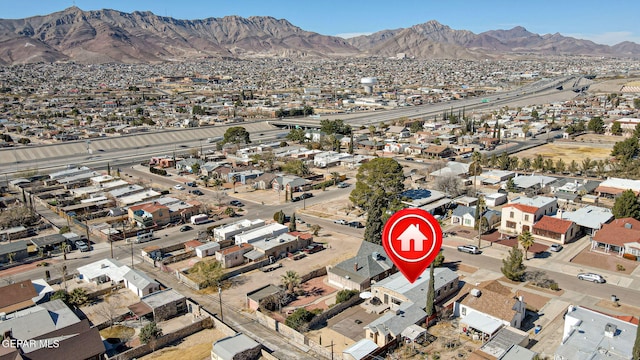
x: 220, y: 298
x: 132, y: 254
x: 111, y: 243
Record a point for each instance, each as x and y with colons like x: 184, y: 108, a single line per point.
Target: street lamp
x: 220, y: 298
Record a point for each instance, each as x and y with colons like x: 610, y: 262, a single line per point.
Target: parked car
x: 469, y: 249
x: 179, y: 187
x: 356, y: 224
x: 555, y: 247
x: 185, y: 228
x: 197, y: 192
x: 596, y: 278
x: 306, y: 195
x: 82, y: 246
x: 296, y: 199
x: 236, y: 203
x: 192, y: 184
x: 340, y: 221
x: 313, y: 248
x: 343, y: 185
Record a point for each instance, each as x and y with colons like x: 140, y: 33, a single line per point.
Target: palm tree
x: 525, y: 164
x: 65, y: 248
x: 480, y: 208
x: 587, y: 164
x: 335, y: 176
x: 527, y: 241
x: 290, y: 280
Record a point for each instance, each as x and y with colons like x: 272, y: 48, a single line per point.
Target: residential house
x: 149, y: 215
x: 466, y: 216
x: 438, y: 151
x: 621, y: 236
x: 264, y: 181
x: 394, y: 147
x: 396, y: 289
x: 279, y: 246
x: 259, y: 297
x: 453, y: 168
x: 243, y: 176
x: 13, y: 251
x: 508, y: 344
x: 188, y: 164
x: 238, y: 346
x: 612, y: 187
x: 400, y: 132
x: 589, y: 334
x: 288, y: 183
x: 371, y: 263
x: 589, y: 218
x: 389, y: 327
x: 228, y: 231
x: 532, y: 183
x: 17, y: 296
x: 163, y: 305
x: 521, y: 213
x: 50, y: 323
x: 555, y: 230
x: 268, y: 231
x: 494, y: 177
x: 486, y: 308
x: 495, y: 199
x: 140, y: 283
x: 110, y: 270
x: 428, y: 200
x: 233, y: 256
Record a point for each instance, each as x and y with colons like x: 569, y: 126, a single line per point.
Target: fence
x: 145, y: 349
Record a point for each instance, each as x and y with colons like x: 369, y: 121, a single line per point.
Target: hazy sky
x: 602, y: 22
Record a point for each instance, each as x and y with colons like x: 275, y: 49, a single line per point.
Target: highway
x: 135, y: 148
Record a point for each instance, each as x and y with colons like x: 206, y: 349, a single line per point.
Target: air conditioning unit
x: 475, y: 292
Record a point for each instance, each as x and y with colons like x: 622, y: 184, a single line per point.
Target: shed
x: 208, y: 249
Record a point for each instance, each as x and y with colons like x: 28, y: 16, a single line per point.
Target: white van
x: 144, y: 237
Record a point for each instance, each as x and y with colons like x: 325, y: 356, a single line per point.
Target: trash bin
x: 537, y: 329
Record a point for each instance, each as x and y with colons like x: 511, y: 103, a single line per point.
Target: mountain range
x: 142, y: 37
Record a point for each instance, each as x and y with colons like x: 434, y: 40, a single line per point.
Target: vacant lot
x: 569, y: 151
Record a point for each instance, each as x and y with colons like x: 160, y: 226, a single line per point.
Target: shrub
x: 344, y: 295
x: 554, y: 286
x: 619, y: 267
x: 630, y: 256
x: 299, y: 318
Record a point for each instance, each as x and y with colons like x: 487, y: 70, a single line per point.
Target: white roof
x: 590, y: 216
x: 482, y: 322
x: 538, y: 201
x: 361, y: 349
x: 113, y: 269
x: 263, y: 232
x: 625, y: 184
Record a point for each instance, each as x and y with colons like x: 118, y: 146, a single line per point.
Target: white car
x: 179, y: 187
x: 596, y: 278
x: 340, y: 221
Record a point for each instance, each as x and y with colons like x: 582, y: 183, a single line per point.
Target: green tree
x: 625, y: 150
x: 503, y: 161
x: 296, y: 167
x: 538, y: 162
x: 511, y: 185
x: 636, y: 132
x: 382, y: 177
x: 374, y: 224
x: 297, y: 135
x: 335, y: 176
x: 279, y: 217
x: 77, y: 297
x: 525, y: 164
x: 481, y: 206
x: 626, y: 206
x: 207, y: 273
x: 616, y: 128
x: 230, y: 212
x: 236, y: 135
x: 596, y: 124
x: 431, y: 293
x: 526, y: 240
x: 315, y: 229
x: 150, y: 332
x: 439, y: 260
x: 332, y: 127
x: 60, y: 294
x: 299, y: 319
x: 292, y: 223
x: 512, y: 266
x: 290, y: 280
x: 573, y: 167
x: 415, y: 127
x: 64, y: 247
x: 586, y: 166
x: 475, y: 169
x: 560, y: 166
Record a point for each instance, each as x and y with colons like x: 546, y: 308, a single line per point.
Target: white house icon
x: 412, y: 234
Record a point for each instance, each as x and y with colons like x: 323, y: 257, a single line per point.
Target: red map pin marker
x: 412, y: 238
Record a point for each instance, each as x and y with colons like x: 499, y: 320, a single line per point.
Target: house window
x: 395, y: 301
x: 511, y: 215
x: 526, y: 217
x: 371, y: 335
x: 438, y: 293
x: 463, y: 311
x: 511, y: 224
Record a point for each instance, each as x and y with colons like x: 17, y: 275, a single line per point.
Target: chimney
x: 355, y: 267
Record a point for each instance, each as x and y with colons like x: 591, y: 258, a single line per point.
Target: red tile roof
x: 555, y: 225
x: 615, y: 233
x: 235, y: 248
x: 301, y: 235
x: 192, y: 244
x: 524, y: 208
x: 611, y: 190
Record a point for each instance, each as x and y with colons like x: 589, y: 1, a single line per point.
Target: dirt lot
x: 193, y: 347
x: 569, y: 151
x: 604, y: 261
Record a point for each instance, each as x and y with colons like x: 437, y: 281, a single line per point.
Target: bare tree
x: 108, y: 309
x: 449, y: 184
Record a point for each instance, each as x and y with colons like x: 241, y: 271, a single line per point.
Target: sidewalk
x: 558, y: 262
